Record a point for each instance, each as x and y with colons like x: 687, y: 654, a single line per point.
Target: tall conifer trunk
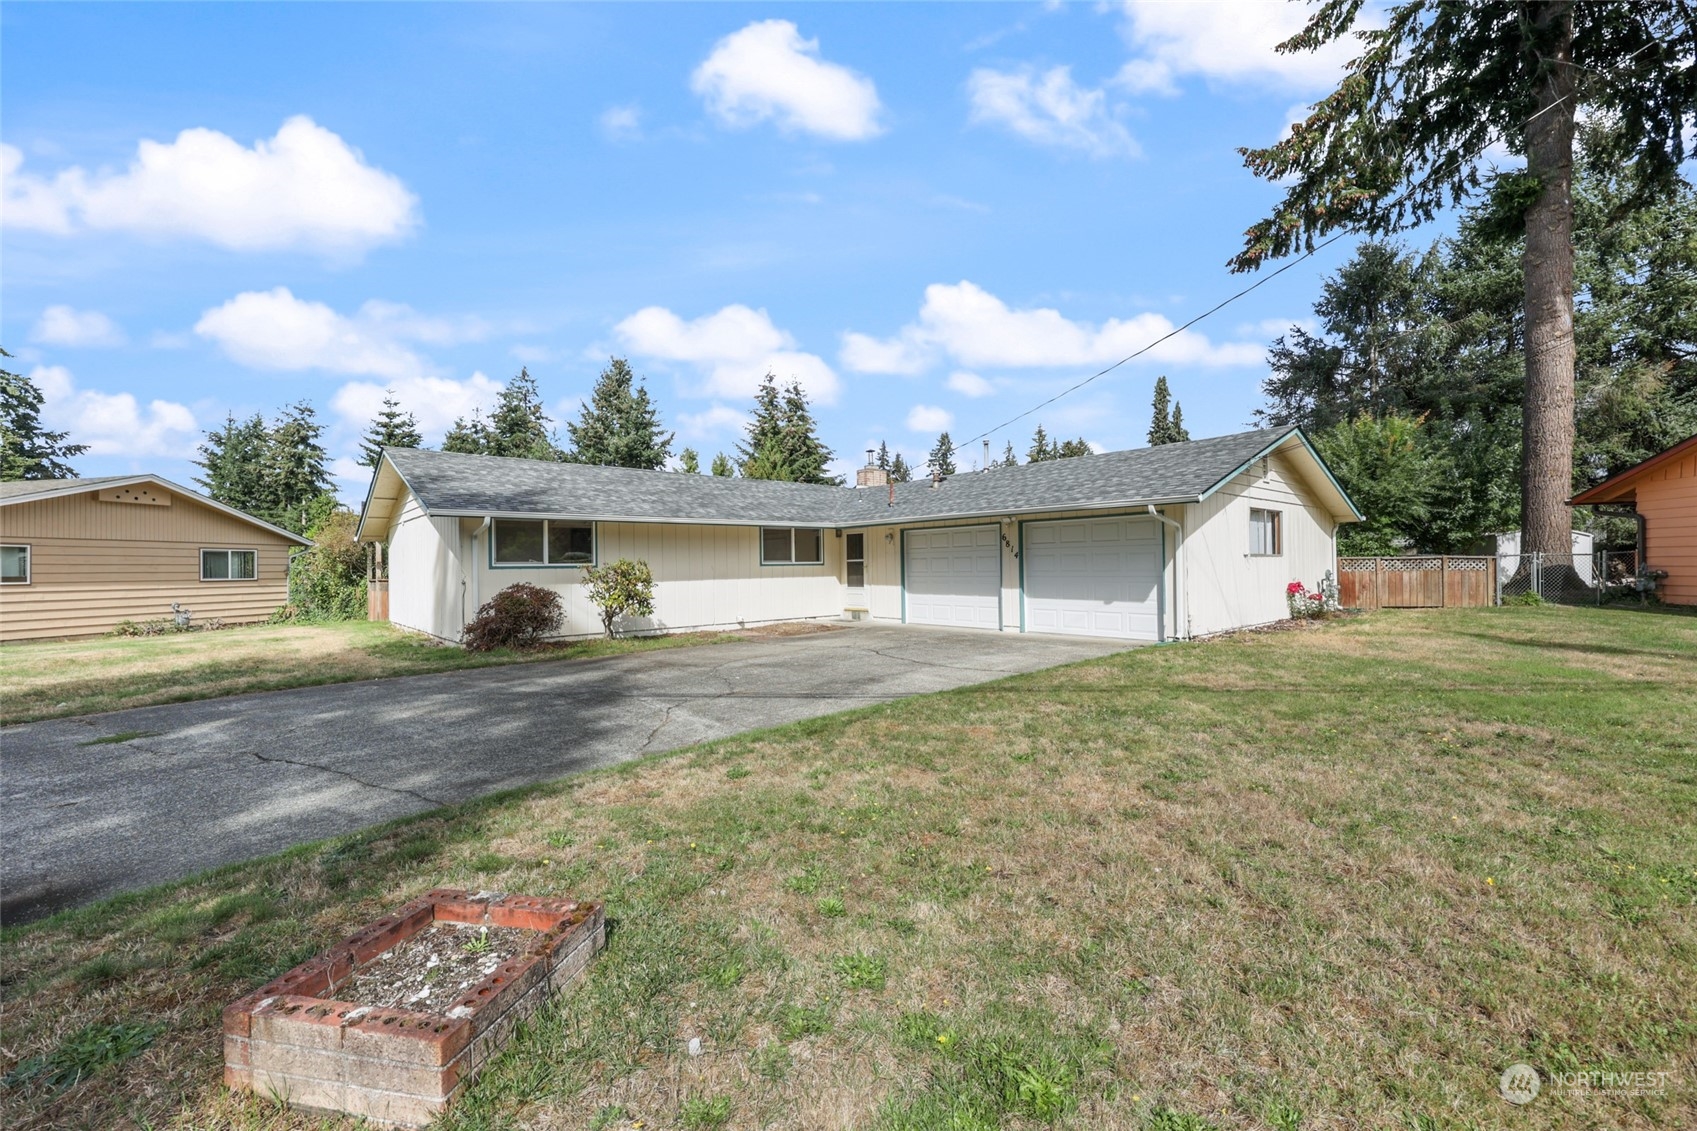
x: 1547, y: 426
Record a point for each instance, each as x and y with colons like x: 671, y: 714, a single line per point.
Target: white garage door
x: 1094, y: 577
x: 954, y: 577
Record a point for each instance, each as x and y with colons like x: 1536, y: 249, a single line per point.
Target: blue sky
x: 933, y: 215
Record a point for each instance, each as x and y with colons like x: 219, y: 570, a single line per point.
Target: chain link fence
x: 1572, y: 579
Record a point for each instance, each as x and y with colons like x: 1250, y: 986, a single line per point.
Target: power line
x: 1267, y: 278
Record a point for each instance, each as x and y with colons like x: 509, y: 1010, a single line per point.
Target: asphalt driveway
x: 223, y: 780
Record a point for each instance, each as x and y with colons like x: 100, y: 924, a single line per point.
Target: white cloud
x: 275, y: 330
x: 970, y: 384
x: 768, y: 72
x: 716, y: 421
x: 865, y: 354
x: 114, y: 424
x: 1049, y: 109
x: 435, y: 401
x: 972, y: 327
x: 622, y: 123
x: 929, y: 418
x: 62, y: 326
x: 1228, y: 40
x: 734, y: 347
x: 303, y: 188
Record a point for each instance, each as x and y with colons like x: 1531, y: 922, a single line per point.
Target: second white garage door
x: 954, y: 576
x: 1094, y: 577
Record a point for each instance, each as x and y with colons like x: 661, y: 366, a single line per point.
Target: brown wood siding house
x: 1663, y: 490
x: 77, y: 556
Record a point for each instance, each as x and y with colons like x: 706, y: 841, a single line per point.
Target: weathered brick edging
x: 292, y: 1039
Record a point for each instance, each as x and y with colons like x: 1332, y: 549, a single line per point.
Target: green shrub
x: 624, y: 588
x: 327, y: 582
x: 519, y: 616
x: 1523, y: 599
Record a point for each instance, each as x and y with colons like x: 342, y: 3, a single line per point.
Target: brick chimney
x: 871, y: 475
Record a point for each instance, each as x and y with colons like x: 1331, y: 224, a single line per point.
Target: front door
x: 854, y: 571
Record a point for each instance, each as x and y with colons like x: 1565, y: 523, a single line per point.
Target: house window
x: 14, y: 565
x: 791, y: 545
x: 854, y: 560
x: 543, y: 542
x: 1266, y: 539
x: 229, y: 565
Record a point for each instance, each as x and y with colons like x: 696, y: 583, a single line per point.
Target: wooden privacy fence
x: 1426, y: 581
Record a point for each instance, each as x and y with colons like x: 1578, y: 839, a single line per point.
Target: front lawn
x: 1328, y: 878
x: 55, y: 679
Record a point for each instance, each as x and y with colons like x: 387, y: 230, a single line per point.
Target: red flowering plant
x: 1305, y: 603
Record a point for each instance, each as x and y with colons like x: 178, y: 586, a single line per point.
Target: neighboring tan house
x: 79, y: 555
x: 1663, y: 492
x: 1152, y: 544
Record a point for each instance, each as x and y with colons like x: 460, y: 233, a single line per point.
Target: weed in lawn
x: 478, y: 945
x: 122, y: 736
x: 807, y: 881
x: 771, y: 1060
x: 1166, y: 1119
x: 606, y: 1116
x: 699, y: 1113
x: 81, y: 1055
x: 725, y: 975
x: 862, y: 971
x: 561, y: 838
x: 831, y: 907
x: 738, y: 772
x: 1281, y: 1114
x: 486, y: 862
x: 797, y: 1021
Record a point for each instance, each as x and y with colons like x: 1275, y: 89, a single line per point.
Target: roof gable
x: 1623, y: 484
x: 35, y: 490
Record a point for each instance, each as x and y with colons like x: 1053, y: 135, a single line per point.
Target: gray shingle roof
x: 19, y: 488
x: 452, y: 483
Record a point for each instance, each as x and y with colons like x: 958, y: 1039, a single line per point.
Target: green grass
x: 56, y: 679
x: 1331, y: 877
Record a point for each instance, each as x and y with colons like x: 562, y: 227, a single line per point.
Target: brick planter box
x: 295, y: 1040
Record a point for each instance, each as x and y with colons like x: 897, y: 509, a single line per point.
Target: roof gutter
x: 1181, y: 617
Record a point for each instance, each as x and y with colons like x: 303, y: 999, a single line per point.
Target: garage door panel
x: 1094, y: 577
x: 954, y: 577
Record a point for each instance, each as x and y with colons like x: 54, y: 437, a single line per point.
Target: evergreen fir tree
x: 767, y: 424
x: 900, y: 472
x: 27, y: 449
x: 1041, y: 449
x: 942, y: 458
x: 771, y: 462
x: 722, y: 466
x: 1161, y: 421
x: 296, y: 477
x: 233, y: 460
x: 620, y: 426
x: 804, y: 451
x: 519, y: 428
x: 882, y: 463
x: 468, y: 437
x: 391, y: 428
x: 1009, y: 458
x: 689, y: 462
x: 1067, y: 449
x: 1179, y: 433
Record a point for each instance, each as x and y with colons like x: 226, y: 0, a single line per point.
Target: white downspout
x: 1180, y: 613
x: 476, y: 589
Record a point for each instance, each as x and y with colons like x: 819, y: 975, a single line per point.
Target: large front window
x: 229, y: 565
x: 543, y: 542
x: 791, y: 545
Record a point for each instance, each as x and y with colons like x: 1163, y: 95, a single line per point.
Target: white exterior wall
x: 1226, y: 588
x: 425, y: 591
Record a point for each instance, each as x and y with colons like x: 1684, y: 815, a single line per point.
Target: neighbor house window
x: 1265, y: 537
x: 229, y: 565
x: 543, y: 542
x: 14, y: 565
x: 791, y: 545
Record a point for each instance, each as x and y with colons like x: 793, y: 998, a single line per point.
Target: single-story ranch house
x: 79, y: 555
x: 1152, y: 544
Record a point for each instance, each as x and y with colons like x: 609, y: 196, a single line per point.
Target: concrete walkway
x: 230, y: 779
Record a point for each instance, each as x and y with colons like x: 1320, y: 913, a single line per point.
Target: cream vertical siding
x: 1226, y: 588
x: 426, y: 579
x: 95, y: 563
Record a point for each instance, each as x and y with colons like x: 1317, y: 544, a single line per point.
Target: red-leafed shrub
x: 519, y: 616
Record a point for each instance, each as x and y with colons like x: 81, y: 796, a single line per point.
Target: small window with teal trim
x: 543, y: 542
x: 791, y: 545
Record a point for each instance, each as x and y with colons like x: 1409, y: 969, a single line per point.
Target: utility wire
x: 1177, y: 330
